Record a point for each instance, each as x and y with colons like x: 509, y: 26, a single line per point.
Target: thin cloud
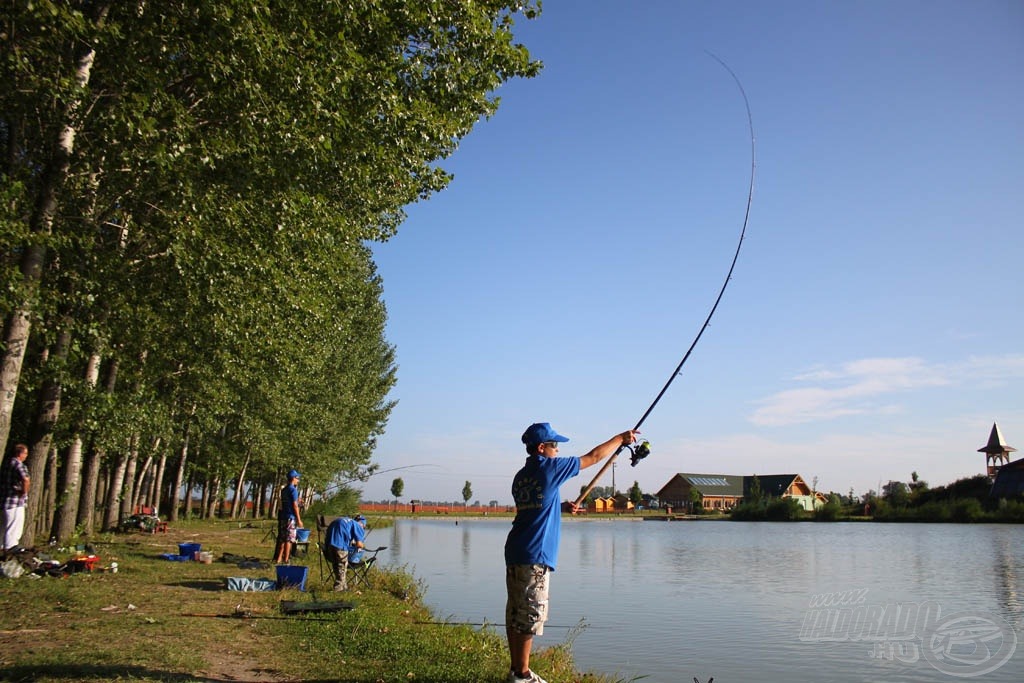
x: 866, y: 386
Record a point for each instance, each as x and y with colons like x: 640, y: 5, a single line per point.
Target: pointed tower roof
x: 995, y: 443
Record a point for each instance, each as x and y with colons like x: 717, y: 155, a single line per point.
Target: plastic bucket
x: 189, y: 549
x: 302, y: 535
x: 292, y: 577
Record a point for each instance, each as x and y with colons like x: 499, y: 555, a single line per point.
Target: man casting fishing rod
x: 532, y: 546
x: 531, y: 550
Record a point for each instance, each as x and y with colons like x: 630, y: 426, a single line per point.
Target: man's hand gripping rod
x: 675, y: 373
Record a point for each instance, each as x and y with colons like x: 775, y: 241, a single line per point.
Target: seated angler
x: 344, y: 536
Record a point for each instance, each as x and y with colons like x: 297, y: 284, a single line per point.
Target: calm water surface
x: 746, y: 602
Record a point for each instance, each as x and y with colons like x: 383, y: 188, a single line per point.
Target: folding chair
x: 321, y: 528
x: 360, y: 562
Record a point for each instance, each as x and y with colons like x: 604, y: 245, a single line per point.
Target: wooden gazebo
x: 997, y: 453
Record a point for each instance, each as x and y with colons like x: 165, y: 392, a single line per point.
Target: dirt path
x: 239, y: 667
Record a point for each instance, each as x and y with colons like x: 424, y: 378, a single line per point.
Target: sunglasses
x: 551, y: 444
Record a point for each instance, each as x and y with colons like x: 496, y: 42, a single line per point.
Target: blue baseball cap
x: 294, y: 474
x: 539, y: 432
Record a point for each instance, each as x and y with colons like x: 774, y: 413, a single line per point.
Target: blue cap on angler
x: 294, y: 474
x: 539, y: 432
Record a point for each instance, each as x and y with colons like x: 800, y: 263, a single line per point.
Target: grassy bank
x: 157, y: 620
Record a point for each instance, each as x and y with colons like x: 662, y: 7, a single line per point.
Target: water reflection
x: 670, y: 601
x: 1007, y: 575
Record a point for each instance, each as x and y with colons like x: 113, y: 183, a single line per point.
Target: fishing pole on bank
x: 643, y: 449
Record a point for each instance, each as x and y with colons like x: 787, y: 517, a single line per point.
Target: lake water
x: 744, y: 602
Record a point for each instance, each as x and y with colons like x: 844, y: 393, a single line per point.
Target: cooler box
x: 292, y: 577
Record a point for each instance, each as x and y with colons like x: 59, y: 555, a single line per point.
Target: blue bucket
x: 302, y: 535
x: 292, y: 577
x: 189, y: 549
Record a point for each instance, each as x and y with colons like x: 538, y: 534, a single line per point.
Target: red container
x: 83, y: 564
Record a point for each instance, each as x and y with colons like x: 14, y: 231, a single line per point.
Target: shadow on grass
x: 17, y: 674
x: 72, y: 672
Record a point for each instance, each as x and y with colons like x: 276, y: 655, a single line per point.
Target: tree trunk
x: 249, y: 496
x: 236, y: 505
x: 204, y: 499
x: 157, y: 483
x: 214, y: 504
x: 112, y: 505
x: 275, y: 498
x: 141, y: 496
x: 258, y: 500
x: 179, y: 477
x: 128, y: 497
x: 41, y: 439
x: 70, y: 481
x: 52, y: 179
x: 85, y: 520
x: 51, y: 495
x: 94, y: 462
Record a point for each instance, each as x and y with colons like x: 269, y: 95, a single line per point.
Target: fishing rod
x: 643, y: 449
x: 367, y: 475
x: 501, y: 625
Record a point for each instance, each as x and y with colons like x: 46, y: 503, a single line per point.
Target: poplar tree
x: 187, y: 193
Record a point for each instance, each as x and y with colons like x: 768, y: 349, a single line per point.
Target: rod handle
x: 597, y: 478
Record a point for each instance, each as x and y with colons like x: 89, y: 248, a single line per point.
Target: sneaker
x: 531, y: 677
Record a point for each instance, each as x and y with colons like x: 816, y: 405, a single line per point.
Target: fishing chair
x: 360, y: 562
x: 321, y: 528
x: 322, y: 522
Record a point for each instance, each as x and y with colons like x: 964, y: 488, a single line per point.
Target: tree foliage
x: 896, y: 494
x: 636, y: 496
x: 211, y: 172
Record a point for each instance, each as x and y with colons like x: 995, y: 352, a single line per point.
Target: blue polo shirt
x: 342, y: 532
x: 289, y: 494
x: 537, y: 527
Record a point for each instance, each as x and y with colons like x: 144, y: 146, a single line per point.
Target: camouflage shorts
x: 286, y: 530
x: 527, y: 606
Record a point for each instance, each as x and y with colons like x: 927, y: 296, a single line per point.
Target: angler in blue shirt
x: 531, y: 549
x: 288, y: 518
x: 344, y: 538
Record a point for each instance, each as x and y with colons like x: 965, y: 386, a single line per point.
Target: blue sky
x: 873, y: 324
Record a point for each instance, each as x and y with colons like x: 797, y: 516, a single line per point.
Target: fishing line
x: 640, y: 454
x: 370, y: 475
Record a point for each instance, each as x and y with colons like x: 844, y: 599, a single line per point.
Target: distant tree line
x: 965, y: 500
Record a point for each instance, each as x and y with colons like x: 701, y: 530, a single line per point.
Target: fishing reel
x: 639, y: 452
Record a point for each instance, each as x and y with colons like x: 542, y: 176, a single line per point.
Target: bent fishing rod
x: 643, y: 449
